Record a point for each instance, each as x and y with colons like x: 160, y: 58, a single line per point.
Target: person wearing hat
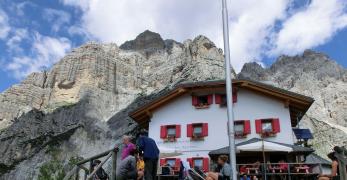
x: 334, y: 169
x: 150, y: 154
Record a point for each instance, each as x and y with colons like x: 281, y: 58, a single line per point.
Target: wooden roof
x: 298, y: 104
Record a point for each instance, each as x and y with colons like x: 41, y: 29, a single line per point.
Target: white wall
x: 250, y: 106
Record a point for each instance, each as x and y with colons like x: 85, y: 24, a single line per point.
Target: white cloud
x: 4, y: 25
x: 311, y: 27
x: 250, y: 26
x: 13, y: 43
x: 251, y: 21
x: 255, y: 26
x: 57, y: 18
x: 45, y: 52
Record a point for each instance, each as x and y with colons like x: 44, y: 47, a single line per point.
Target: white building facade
x: 193, y: 122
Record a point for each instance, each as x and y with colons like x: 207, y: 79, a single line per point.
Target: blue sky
x: 36, y: 34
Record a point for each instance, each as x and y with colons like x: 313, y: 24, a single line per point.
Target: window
x: 242, y: 128
x: 239, y: 127
x: 202, y: 101
x: 267, y: 127
x: 174, y: 163
x: 170, y: 132
x: 221, y: 99
x: 199, y: 163
x: 197, y: 130
x: 171, y: 162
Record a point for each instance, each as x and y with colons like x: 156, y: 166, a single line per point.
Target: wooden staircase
x: 87, y: 171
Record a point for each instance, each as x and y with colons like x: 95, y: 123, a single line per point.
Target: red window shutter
x: 178, y: 131
x: 190, y: 130
x: 210, y: 99
x: 276, y: 125
x: 234, y: 95
x: 218, y: 98
x: 258, y: 127
x: 206, y: 165
x: 177, y: 163
x: 247, y: 127
x: 163, y: 132
x: 162, y: 162
x: 205, y: 129
x: 194, y: 100
x: 190, y: 161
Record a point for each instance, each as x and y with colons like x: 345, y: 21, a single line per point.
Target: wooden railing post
x: 91, y: 165
x: 77, y: 173
x: 114, y: 165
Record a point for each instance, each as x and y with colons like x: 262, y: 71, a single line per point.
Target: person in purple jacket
x: 127, y: 147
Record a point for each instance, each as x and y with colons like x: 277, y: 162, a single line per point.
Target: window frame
x: 243, y: 128
x: 275, y: 127
x: 171, y: 127
x: 197, y: 98
x: 204, y: 131
x: 165, y: 135
x: 205, y: 162
x: 198, y: 125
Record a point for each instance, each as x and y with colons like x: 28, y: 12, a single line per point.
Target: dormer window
x: 202, y: 101
x: 267, y: 127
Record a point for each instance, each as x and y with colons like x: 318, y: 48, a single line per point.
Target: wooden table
x: 302, y: 168
x: 249, y: 169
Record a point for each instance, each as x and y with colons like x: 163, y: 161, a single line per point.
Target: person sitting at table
x: 270, y: 167
x: 334, y: 169
x: 302, y: 167
x: 243, y: 171
x: 283, y: 166
x: 225, y: 171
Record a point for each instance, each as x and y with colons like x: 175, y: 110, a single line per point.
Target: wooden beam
x: 157, y: 103
x: 286, y: 103
x: 149, y: 114
x: 278, y: 95
x: 243, y: 84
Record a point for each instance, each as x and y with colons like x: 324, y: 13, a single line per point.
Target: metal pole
x: 229, y: 89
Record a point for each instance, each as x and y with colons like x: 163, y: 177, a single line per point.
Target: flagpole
x: 229, y: 89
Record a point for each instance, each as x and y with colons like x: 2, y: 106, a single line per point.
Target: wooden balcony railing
x: 285, y: 169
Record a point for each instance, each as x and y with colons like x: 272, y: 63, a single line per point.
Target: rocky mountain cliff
x: 315, y: 75
x: 79, y: 107
x: 67, y: 107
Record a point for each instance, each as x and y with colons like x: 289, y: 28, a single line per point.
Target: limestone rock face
x: 91, y: 84
x: 315, y: 75
x: 145, y: 41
